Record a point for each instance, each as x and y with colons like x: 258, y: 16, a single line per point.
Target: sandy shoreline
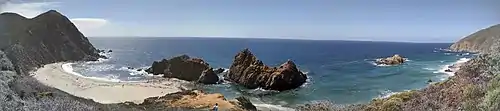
x: 103, y: 91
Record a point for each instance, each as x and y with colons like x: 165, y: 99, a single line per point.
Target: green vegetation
x: 491, y: 100
x: 392, y: 103
x: 44, y: 94
x: 472, y: 97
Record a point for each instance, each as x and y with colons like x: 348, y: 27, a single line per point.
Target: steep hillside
x: 480, y: 41
x: 47, y: 38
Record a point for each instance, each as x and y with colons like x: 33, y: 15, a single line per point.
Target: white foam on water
x: 406, y: 59
x: 134, y: 72
x: 100, y: 60
x: 69, y: 69
x: 431, y: 69
x: 226, y: 70
x: 463, y: 60
x: 270, y: 107
x: 445, y: 67
x: 379, y: 65
x: 387, y: 94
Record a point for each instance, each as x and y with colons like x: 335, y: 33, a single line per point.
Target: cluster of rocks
x: 246, y: 70
x: 394, y: 60
x: 104, y: 51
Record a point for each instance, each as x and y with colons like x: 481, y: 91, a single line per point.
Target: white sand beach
x: 104, y: 91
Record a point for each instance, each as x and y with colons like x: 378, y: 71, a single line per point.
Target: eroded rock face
x: 47, y: 38
x: 181, y: 67
x: 208, y: 77
x: 394, y: 60
x: 250, y: 72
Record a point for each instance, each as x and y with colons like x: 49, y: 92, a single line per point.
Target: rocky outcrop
x: 208, y: 77
x: 219, y: 70
x: 47, y: 38
x: 479, y: 42
x: 394, y: 60
x: 244, y: 103
x: 196, y: 99
x: 182, y: 67
x: 250, y: 72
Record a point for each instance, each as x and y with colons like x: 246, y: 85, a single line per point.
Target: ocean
x: 339, y: 71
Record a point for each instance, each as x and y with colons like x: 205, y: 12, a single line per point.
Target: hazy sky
x: 386, y: 20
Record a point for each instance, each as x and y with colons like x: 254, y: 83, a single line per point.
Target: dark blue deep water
x: 340, y: 71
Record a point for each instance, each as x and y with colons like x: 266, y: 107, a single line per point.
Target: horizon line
x: 223, y: 37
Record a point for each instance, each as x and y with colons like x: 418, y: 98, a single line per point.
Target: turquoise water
x: 339, y: 71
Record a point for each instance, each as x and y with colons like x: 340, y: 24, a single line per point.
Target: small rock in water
x: 139, y: 69
x: 394, y: 60
x: 219, y: 70
x: 429, y: 81
x: 110, y: 50
x: 130, y: 67
x: 448, y: 70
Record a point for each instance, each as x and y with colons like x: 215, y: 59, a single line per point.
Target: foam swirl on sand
x: 69, y: 69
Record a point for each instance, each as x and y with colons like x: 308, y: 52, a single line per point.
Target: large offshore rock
x: 181, y: 67
x: 250, y: 72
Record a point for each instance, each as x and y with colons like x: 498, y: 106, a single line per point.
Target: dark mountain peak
x: 50, y: 14
x: 12, y: 15
x: 47, y: 38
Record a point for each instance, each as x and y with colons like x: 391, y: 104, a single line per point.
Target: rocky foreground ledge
x: 195, y: 100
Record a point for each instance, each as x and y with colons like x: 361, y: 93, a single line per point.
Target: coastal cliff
x: 479, y: 42
x: 47, y: 38
x: 26, y: 44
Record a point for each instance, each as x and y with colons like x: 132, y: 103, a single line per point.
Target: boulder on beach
x: 208, y: 77
x: 394, y: 60
x: 182, y: 67
x: 250, y: 72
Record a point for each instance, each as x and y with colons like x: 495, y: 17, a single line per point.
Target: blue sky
x: 381, y: 20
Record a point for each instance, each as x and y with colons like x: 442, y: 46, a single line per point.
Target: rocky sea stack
x: 250, y: 72
x: 394, y: 60
x: 185, y: 68
x: 479, y: 42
